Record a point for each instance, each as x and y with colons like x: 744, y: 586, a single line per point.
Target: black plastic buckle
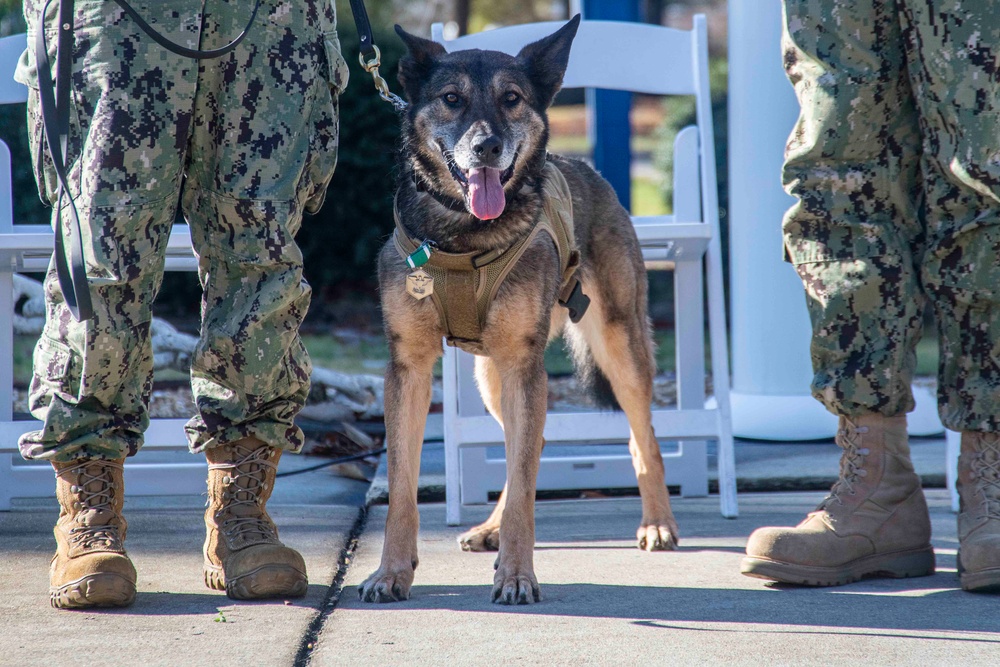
x: 577, y: 303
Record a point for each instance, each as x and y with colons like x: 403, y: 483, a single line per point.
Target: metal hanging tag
x: 420, y: 284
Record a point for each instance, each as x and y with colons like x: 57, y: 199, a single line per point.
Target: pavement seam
x: 311, y: 637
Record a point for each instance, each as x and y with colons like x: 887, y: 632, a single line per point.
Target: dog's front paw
x: 658, y: 535
x: 515, y: 587
x: 480, y: 538
x: 386, y: 586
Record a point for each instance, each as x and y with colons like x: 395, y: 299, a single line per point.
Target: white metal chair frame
x: 28, y: 248
x: 643, y: 59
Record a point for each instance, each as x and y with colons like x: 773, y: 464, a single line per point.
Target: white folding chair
x: 649, y: 59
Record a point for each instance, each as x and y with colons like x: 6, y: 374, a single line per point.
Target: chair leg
x: 720, y: 378
x: 953, y: 441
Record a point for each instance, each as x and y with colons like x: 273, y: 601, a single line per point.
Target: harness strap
x: 466, y: 284
x: 466, y: 261
x: 54, y: 98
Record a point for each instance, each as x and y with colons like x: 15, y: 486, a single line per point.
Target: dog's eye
x: 452, y: 100
x: 511, y: 98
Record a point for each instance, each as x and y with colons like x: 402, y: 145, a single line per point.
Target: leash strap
x: 54, y: 97
x: 371, y: 58
x: 177, y: 48
x: 364, y: 27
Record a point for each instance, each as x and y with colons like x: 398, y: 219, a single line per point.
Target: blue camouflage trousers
x: 242, y: 145
x: 895, y: 162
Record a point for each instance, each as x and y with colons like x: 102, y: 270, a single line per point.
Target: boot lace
x: 94, y: 501
x: 851, y: 462
x: 986, y: 472
x: 241, y: 515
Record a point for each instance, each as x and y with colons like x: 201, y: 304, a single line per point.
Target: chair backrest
x: 11, y: 92
x: 11, y: 48
x: 634, y: 57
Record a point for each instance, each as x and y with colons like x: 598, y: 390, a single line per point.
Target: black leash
x: 327, y: 464
x: 364, y: 27
x: 54, y: 98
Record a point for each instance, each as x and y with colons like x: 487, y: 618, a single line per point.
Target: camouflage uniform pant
x: 243, y: 144
x: 895, y: 161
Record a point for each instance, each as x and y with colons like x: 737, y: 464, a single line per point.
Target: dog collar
x: 417, y: 253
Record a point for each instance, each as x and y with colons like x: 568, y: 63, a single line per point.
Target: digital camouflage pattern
x: 243, y: 144
x: 895, y: 161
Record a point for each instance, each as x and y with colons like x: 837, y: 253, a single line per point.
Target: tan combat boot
x: 873, y: 523
x: 242, y: 553
x: 90, y: 568
x: 979, y: 517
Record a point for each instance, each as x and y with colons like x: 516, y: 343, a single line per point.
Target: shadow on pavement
x: 881, y: 606
x: 164, y: 603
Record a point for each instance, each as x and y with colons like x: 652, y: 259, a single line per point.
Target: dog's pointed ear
x: 416, y: 65
x: 546, y: 60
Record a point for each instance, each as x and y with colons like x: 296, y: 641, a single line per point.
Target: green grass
x: 366, y: 354
x: 558, y: 362
x: 647, y: 198
x: 369, y: 354
x: 579, y: 144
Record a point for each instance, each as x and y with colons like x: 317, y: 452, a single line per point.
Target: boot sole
x: 95, y: 590
x: 897, y: 565
x: 984, y: 581
x: 267, y: 581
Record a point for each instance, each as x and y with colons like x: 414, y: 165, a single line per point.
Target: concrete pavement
x: 175, y: 619
x: 606, y: 603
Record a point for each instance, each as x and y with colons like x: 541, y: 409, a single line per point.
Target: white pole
x: 770, y: 324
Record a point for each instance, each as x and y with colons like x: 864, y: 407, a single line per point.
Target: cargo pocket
x: 56, y: 371
x: 324, y: 130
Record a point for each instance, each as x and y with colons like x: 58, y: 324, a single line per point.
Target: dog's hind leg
x: 407, y: 400
x: 486, y: 536
x: 621, y: 344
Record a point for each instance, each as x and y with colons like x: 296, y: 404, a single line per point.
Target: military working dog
x: 474, y: 176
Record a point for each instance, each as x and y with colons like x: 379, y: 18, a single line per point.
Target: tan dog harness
x: 464, y: 285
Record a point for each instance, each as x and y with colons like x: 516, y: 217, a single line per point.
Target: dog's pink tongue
x: 486, y: 197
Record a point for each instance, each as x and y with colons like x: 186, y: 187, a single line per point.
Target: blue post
x: 608, y: 118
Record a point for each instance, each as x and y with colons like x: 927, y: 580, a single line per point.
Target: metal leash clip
x: 371, y: 66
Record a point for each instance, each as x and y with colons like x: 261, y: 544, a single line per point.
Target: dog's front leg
x: 407, y: 400
x: 524, y: 404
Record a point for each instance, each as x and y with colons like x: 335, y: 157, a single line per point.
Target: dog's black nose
x: 487, y: 146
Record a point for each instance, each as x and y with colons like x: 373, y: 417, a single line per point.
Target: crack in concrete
x: 308, y: 644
